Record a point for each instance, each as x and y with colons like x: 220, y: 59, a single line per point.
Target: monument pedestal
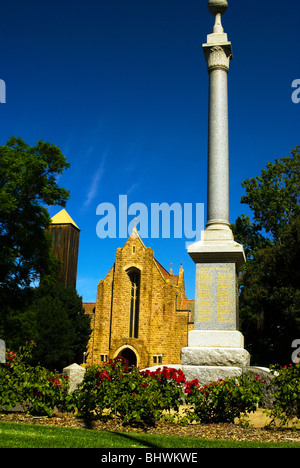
x: 207, y: 374
x: 215, y: 347
x: 211, y: 363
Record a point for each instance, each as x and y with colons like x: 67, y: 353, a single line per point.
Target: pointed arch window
x: 135, y: 279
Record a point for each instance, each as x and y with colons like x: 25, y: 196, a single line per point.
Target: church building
x: 141, y: 313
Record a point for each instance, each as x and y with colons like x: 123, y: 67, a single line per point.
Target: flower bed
x: 112, y: 390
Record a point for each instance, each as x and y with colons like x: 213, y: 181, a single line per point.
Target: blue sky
x: 121, y: 87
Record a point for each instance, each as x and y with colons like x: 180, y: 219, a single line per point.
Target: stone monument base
x: 207, y: 374
x: 211, y: 364
x: 214, y: 354
x: 235, y: 357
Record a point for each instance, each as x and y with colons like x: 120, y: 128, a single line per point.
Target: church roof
x: 162, y: 269
x: 173, y: 278
x: 63, y: 217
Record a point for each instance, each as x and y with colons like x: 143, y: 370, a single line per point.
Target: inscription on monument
x: 224, y: 294
x: 205, y: 280
x: 216, y: 296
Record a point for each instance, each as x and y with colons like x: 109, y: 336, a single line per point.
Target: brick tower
x: 65, y: 245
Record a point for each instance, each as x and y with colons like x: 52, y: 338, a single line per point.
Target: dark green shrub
x: 286, y: 393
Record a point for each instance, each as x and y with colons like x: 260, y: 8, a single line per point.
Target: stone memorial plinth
x: 215, y: 347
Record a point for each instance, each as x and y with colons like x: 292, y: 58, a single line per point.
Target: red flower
x: 11, y: 356
x: 104, y: 375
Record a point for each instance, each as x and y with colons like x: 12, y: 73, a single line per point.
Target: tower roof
x: 63, y: 217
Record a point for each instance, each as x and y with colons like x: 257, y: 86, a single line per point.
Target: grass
x: 14, y: 435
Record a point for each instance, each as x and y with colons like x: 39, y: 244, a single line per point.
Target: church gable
x: 133, y: 252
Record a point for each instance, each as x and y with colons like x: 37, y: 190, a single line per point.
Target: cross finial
x: 134, y: 233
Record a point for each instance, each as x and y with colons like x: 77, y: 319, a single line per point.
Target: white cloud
x: 94, y: 185
x: 93, y: 188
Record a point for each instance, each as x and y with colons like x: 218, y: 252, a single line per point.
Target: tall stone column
x: 215, y: 346
x: 218, y: 159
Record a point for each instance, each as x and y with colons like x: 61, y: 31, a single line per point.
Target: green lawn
x: 14, y: 435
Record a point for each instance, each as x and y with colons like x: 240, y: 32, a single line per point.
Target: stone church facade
x: 141, y: 312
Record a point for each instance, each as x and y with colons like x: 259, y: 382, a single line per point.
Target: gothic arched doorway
x: 129, y: 356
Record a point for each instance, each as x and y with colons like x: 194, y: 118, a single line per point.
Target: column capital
x: 217, y: 55
x: 217, y: 50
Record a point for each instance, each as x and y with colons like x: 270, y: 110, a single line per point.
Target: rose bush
x: 142, y: 397
x: 224, y: 400
x: 286, y: 393
x: 133, y: 396
x: 37, y: 390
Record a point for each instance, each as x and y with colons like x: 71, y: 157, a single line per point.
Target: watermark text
x: 296, y: 93
x: 2, y: 92
x: 296, y: 353
x: 160, y: 220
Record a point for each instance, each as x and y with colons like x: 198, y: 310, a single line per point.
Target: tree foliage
x: 270, y: 297
x: 62, y: 327
x: 50, y: 315
x: 54, y: 319
x: 28, y: 182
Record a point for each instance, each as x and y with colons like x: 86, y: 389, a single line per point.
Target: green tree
x: 28, y: 182
x: 79, y: 328
x: 55, y: 334
x: 270, y: 296
x: 55, y: 320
